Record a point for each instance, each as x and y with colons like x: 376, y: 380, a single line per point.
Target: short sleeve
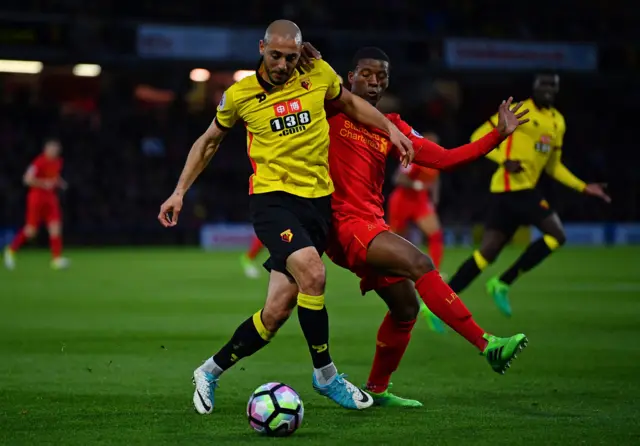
x: 227, y: 113
x: 334, y: 86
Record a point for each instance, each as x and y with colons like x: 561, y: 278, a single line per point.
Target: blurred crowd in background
x: 126, y: 133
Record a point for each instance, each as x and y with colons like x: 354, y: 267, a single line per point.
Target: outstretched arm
x: 202, y: 150
x: 430, y: 154
x: 560, y: 173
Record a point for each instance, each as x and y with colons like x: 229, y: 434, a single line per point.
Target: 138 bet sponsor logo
x: 290, y: 118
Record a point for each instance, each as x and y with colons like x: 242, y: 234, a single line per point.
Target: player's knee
x: 54, y: 229
x: 407, y: 312
x: 488, y: 254
x: 419, y: 265
x: 560, y: 237
x: 30, y: 231
x: 312, y: 279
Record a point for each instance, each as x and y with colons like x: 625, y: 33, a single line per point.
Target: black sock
x: 465, y: 275
x: 535, y: 253
x: 315, y: 326
x: 248, y: 338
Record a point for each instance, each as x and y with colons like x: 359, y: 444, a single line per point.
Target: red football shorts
x: 42, y: 208
x: 348, y: 244
x: 407, y: 206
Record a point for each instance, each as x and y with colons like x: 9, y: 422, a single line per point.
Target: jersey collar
x: 264, y: 84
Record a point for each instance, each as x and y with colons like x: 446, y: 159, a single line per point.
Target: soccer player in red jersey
x: 385, y: 262
x: 43, y: 179
x: 247, y: 260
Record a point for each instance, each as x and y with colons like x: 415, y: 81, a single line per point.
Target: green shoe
x: 501, y: 351
x: 249, y: 267
x: 500, y: 293
x: 434, y: 323
x: 388, y: 399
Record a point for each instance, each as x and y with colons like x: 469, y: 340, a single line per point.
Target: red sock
x: 18, y: 241
x: 436, y: 248
x: 446, y: 304
x: 56, y: 246
x: 255, y: 248
x: 392, y: 342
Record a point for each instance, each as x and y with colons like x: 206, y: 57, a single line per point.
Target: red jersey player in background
x: 385, y: 262
x: 247, y: 260
x: 43, y: 180
x: 414, y: 200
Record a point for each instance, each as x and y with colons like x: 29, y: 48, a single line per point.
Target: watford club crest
x: 306, y: 84
x: 286, y: 236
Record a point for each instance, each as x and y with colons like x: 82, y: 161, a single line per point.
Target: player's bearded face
x: 280, y: 61
x: 370, y: 80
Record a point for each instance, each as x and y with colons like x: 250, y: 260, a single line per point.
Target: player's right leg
x: 248, y: 259
x: 251, y: 336
x: 395, y: 256
x: 296, y: 231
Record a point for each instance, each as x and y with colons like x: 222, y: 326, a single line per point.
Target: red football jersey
x: 46, y: 169
x: 357, y: 160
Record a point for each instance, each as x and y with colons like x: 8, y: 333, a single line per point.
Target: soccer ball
x: 275, y: 409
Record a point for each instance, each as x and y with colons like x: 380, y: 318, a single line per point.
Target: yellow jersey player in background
x: 533, y: 148
x: 282, y: 107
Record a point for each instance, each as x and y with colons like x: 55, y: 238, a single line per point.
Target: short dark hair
x: 369, y: 52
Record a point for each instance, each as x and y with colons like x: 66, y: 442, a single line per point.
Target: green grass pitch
x: 102, y: 354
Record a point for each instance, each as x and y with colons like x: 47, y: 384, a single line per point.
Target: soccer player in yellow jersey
x: 287, y: 142
x: 531, y: 149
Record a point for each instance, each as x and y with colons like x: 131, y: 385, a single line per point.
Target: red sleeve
x: 430, y: 154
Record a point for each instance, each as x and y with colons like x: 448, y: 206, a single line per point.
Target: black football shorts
x: 509, y: 210
x: 286, y: 223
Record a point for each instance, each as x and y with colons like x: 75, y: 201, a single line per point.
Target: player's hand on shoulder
x: 597, y: 190
x: 403, y: 144
x: 308, y: 55
x: 169, y: 211
x: 509, y: 118
x: 513, y: 166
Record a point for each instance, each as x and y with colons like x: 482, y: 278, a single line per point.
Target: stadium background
x: 126, y: 132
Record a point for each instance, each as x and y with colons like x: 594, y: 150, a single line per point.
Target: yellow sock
x: 551, y: 242
x: 260, y: 328
x: 315, y: 303
x: 480, y: 260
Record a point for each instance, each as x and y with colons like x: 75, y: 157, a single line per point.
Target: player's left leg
x: 392, y: 340
x: 54, y: 227
x: 396, y: 256
x: 247, y: 260
x: 553, y: 238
